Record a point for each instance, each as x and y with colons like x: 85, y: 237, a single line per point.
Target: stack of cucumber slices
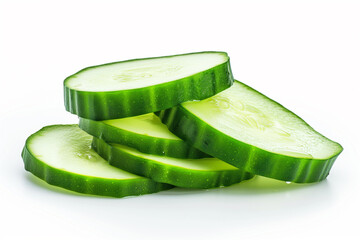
x: 152, y: 124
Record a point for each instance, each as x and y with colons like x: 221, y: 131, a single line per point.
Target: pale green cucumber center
x: 147, y: 124
x: 202, y: 164
x: 68, y: 148
x: 143, y: 72
x: 250, y: 117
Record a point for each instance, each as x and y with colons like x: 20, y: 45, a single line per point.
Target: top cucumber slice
x: 252, y: 132
x: 146, y: 133
x: 62, y: 156
x: 135, y: 87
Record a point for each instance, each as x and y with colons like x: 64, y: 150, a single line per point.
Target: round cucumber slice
x: 135, y: 87
x: 62, y: 156
x: 146, y: 133
x: 250, y: 131
x: 188, y: 173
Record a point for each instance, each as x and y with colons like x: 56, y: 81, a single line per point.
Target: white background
x: 304, y: 54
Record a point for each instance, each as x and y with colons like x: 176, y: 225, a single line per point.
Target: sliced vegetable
x: 252, y: 132
x: 135, y: 87
x: 62, y: 156
x: 146, y: 133
x: 189, y: 173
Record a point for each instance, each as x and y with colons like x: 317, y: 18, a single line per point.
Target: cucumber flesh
x: 62, y: 156
x: 147, y: 124
x: 245, y: 128
x: 250, y: 117
x: 135, y: 87
x: 143, y: 72
x: 189, y: 173
x: 146, y: 133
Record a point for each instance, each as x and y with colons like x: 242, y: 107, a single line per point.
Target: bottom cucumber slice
x: 181, y: 172
x: 62, y: 156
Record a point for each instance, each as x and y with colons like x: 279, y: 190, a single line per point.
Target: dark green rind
x: 143, y: 143
x: 257, y: 161
x: 159, y: 172
x: 87, y: 184
x: 133, y: 102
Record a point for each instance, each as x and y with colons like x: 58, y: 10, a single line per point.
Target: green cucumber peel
x: 139, y: 86
x: 250, y: 131
x: 188, y: 173
x: 146, y: 133
x: 61, y: 156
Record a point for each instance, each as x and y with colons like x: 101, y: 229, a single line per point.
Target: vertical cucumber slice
x: 146, y: 133
x: 62, y: 156
x: 250, y: 131
x: 189, y: 173
x: 135, y: 87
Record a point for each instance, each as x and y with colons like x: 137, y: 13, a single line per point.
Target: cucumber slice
x: 188, y: 173
x: 135, y: 87
x: 62, y: 156
x: 146, y: 133
x: 250, y: 131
